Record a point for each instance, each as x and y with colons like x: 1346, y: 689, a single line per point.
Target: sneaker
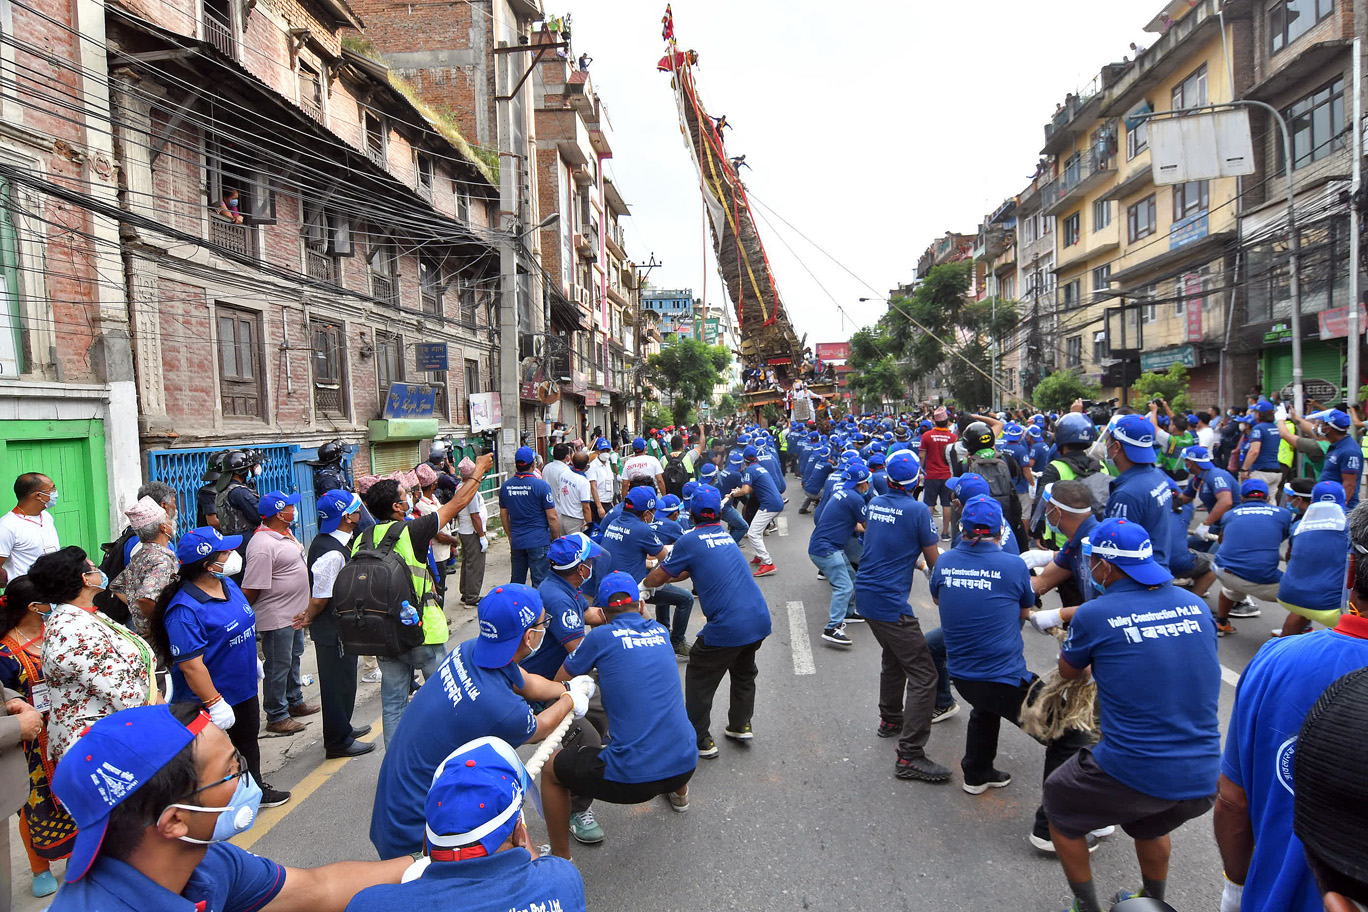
x: 755, y: 560
x: 744, y: 733
x: 838, y: 636
x: 923, y: 769
x: 585, y: 828
x: 1123, y: 895
x: 681, y: 650
x: 941, y: 713
x: 854, y: 617
x: 1045, y: 844
x: 273, y: 798
x: 44, y: 884
x: 678, y: 801
x: 708, y: 749
x: 1224, y: 628
x: 371, y: 677
x: 1245, y: 609
x: 888, y: 729
x: 1103, y: 832
x: 771, y: 529
x: 996, y: 779
x: 765, y: 570
x: 821, y: 575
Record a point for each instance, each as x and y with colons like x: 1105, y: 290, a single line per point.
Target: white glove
x: 221, y: 714
x: 585, y: 684
x: 1036, y: 557
x: 580, y: 703
x: 642, y: 592
x: 1231, y: 896
x: 1044, y: 620
x: 1203, y: 531
x: 261, y: 670
x: 484, y: 543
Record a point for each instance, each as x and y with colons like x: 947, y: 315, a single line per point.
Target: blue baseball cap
x: 857, y: 473
x: 691, y: 486
x: 333, y: 506
x: 1127, y: 545
x: 476, y: 795
x: 602, y: 444
x: 198, y: 544
x: 641, y: 498
x: 706, y: 501
x: 709, y: 471
x: 981, y: 510
x: 524, y: 456
x: 1038, y: 420
x: 968, y: 486
x: 734, y: 458
x: 1331, y: 491
x: 571, y: 550
x: 638, y: 444
x: 1333, y: 417
x: 743, y: 438
x: 1136, y: 436
x: 1191, y: 418
x: 1254, y: 487
x: 1263, y: 405
x: 670, y: 503
x: 1034, y: 431
x: 274, y: 502
x: 618, y: 581
x: 903, y: 467
x: 1012, y: 431
x: 750, y: 452
x: 1198, y: 454
x: 505, y: 613
x: 115, y: 757
x: 877, y: 460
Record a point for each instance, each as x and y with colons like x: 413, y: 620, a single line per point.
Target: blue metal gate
x: 183, y: 469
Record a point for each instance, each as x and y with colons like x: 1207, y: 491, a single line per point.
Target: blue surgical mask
x: 51, y: 497
x: 234, y: 818
x: 104, y: 577
x: 1098, y: 587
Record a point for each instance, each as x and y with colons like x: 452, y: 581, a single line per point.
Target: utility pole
x: 1355, y: 191
x: 640, y: 272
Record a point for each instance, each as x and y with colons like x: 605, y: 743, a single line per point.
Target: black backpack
x: 368, y: 596
x: 676, y: 476
x: 113, y: 564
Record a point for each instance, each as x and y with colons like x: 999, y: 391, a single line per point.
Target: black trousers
x: 336, y: 682
x: 993, y: 702
x: 583, y: 733
x: 907, y: 682
x: 703, y: 675
x: 243, y: 734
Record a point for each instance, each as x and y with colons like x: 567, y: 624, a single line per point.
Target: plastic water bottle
x: 408, y: 615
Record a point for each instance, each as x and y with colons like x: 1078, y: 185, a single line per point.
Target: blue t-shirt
x: 527, y: 498
x: 878, y: 483
x: 1277, y: 688
x: 651, y: 737
x: 460, y: 703
x: 815, y: 476
x: 1266, y: 434
x: 1009, y: 543
x: 505, y: 880
x: 1040, y: 456
x: 1213, y: 481
x: 613, y: 513
x: 771, y: 464
x: 1019, y: 454
x: 836, y: 526
x: 1071, y: 558
x: 1251, y: 540
x: 897, y: 528
x: 737, y: 612
x: 981, y: 590
x: 1317, y: 566
x: 1142, y: 495
x: 1344, y: 457
x: 222, y: 632
x: 762, y: 485
x: 728, y: 480
x: 565, y: 606
x: 668, y: 530
x: 1153, y: 655
x: 628, y: 541
x: 227, y: 879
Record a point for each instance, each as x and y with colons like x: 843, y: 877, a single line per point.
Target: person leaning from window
x: 93, y: 666
x: 228, y: 206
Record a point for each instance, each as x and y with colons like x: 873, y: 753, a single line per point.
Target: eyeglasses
x: 241, y: 763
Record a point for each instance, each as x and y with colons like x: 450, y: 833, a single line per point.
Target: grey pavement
x: 809, y: 814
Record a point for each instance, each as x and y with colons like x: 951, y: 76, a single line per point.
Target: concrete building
x: 674, y: 311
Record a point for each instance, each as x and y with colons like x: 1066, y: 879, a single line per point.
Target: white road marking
x: 783, y: 525
x: 798, y: 640
x: 1230, y: 677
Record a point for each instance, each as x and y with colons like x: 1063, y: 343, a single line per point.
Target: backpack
x: 113, y: 564
x: 369, y: 594
x: 1099, y: 485
x: 676, y: 475
x: 232, y: 521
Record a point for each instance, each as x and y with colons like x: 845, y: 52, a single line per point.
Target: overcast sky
x: 873, y: 126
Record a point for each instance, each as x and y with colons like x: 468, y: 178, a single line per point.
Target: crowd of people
x: 136, y: 698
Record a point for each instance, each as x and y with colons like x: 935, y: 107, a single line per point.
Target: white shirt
x: 326, y: 568
x: 476, y: 507
x: 553, y: 471
x: 570, y: 492
x: 24, y: 539
x: 602, y: 473
x: 642, y: 466
x: 1206, y: 437
x: 441, y: 552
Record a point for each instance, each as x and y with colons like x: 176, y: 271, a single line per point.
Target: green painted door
x: 72, y: 454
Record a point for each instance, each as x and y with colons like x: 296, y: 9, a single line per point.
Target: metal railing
x: 1100, y: 158
x: 376, y: 154
x: 318, y: 265
x: 383, y: 289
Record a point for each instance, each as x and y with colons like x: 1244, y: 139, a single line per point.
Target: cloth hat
x: 1333, y: 417
x: 877, y: 460
x: 1136, y: 436
x: 524, y: 456
x: 1034, y: 432
x: 615, y: 582
x: 115, y: 757
x: 274, y: 502
x: 476, y: 795
x: 1198, y: 454
x: 981, y: 510
x: 968, y: 486
x: 1048, y: 496
x: 427, y: 475
x: 145, y: 512
x: 940, y: 414
x: 465, y: 467
x: 750, y: 452
x: 641, y: 498
x: 1127, y: 545
x: 1254, y: 486
x: 1331, y: 491
x: 505, y: 614
x: 903, y: 466
x: 569, y: 551
x: 198, y: 544
x: 333, y: 506
x: 1330, y: 768
x: 706, y: 501
x: 1012, y: 431
x: 669, y: 504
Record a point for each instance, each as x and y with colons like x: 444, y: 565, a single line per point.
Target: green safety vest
x: 435, y: 629
x: 1172, y: 455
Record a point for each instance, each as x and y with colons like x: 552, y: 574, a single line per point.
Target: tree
x: 1058, y: 391
x: 726, y: 406
x: 687, y: 372
x: 655, y: 415
x: 1171, y: 386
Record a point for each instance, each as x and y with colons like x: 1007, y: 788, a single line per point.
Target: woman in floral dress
x: 44, y: 825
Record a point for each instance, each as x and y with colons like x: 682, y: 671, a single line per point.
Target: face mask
x: 42, y: 614
x: 411, y: 502
x: 104, y: 578
x: 51, y: 497
x: 237, y: 817
x: 232, y: 566
x: 256, y: 470
x: 1098, y: 587
x: 1054, y: 529
x: 603, y: 457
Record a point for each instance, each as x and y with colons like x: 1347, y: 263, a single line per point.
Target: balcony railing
x: 219, y: 34
x: 376, y: 154
x: 230, y: 235
x: 318, y: 265
x: 311, y: 106
x: 383, y: 290
x: 1080, y: 174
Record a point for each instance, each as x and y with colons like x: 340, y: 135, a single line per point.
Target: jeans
x: 396, y: 680
x: 472, y: 568
x: 992, y: 702
x: 531, y: 560
x: 756, y: 534
x: 907, y: 682
x: 667, y: 597
x: 736, y: 526
x: 702, y: 676
x: 836, y: 566
x: 935, y: 641
x: 281, y: 651
x: 336, y: 682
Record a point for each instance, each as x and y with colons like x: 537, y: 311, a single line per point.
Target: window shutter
x: 341, y: 236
